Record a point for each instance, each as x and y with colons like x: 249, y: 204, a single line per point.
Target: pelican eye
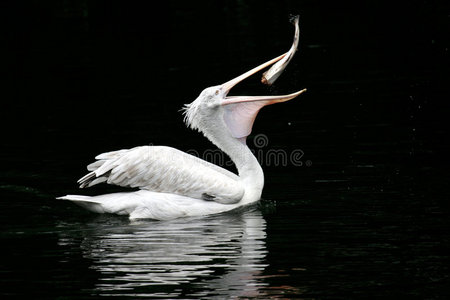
x: 217, y: 92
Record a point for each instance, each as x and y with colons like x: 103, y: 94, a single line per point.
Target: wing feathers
x: 95, y: 165
x: 167, y: 170
x: 86, y: 180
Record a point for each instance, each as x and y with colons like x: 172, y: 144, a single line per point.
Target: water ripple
x: 216, y: 256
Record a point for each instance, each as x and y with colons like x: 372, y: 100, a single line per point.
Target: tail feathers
x: 76, y: 198
x: 86, y: 202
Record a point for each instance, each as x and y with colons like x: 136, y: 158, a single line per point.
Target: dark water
x: 363, y: 213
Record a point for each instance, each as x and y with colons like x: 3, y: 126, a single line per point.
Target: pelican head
x: 214, y: 109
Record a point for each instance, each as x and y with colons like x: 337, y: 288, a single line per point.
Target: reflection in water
x: 217, y: 255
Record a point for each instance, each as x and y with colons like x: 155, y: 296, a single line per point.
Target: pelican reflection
x: 215, y: 255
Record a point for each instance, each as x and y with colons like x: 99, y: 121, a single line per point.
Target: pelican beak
x: 266, y: 99
x: 240, y: 111
x: 227, y: 86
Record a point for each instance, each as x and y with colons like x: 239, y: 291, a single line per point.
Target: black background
x: 86, y: 77
x: 87, y: 66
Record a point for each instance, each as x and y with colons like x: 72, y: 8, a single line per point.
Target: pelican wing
x: 166, y: 170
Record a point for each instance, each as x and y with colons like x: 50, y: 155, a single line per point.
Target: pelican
x: 174, y: 184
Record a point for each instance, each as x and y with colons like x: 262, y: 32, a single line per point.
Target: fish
x: 275, y: 71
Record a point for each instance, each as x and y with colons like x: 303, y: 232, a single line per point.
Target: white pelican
x: 174, y: 184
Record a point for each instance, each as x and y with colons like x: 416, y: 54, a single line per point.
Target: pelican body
x: 174, y: 184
